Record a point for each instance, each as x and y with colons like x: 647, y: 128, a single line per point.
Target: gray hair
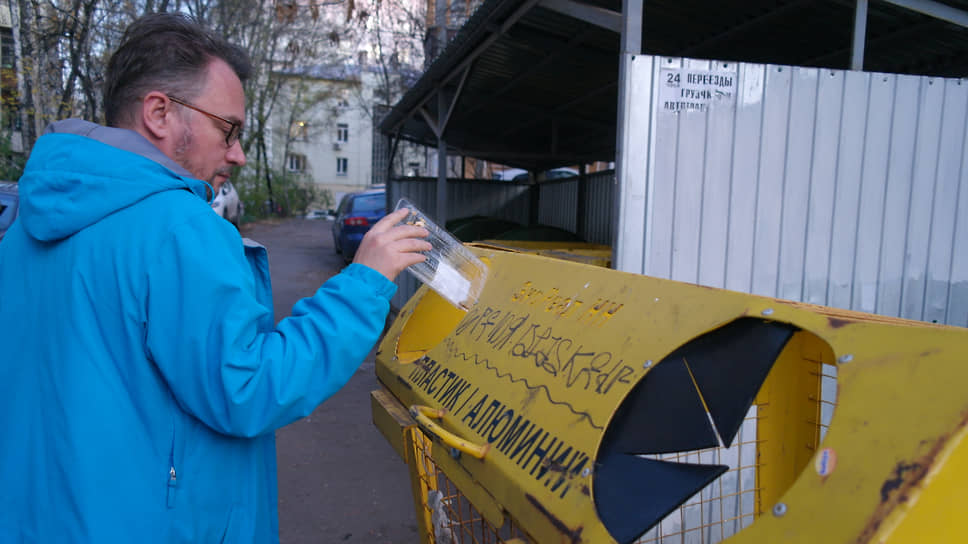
x: 167, y: 52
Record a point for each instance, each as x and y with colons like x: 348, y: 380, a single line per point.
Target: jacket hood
x: 80, y: 172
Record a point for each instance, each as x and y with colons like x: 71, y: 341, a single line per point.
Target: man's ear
x: 156, y: 112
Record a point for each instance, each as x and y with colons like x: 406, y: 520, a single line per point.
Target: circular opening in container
x: 433, y: 318
x: 730, y: 419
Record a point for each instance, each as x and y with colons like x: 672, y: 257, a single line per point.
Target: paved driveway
x: 339, y: 481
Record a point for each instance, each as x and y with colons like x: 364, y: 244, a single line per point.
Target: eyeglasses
x: 231, y: 136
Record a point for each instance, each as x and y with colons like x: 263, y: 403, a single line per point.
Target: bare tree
x: 279, y: 37
x: 40, y: 67
x: 63, y: 47
x: 60, y: 58
x: 389, y: 40
x: 390, y: 34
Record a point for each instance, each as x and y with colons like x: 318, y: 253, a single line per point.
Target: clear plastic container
x: 451, y: 269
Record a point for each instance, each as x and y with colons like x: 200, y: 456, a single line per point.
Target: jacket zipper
x: 172, y: 476
x: 172, y: 484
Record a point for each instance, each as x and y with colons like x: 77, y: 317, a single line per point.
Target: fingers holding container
x: 389, y: 247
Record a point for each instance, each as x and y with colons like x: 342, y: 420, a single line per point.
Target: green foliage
x: 11, y: 162
x: 292, y: 194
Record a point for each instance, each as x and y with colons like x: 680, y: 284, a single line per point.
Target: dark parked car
x: 357, y: 212
x: 9, y: 199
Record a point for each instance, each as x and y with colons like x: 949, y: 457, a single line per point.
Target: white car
x: 228, y: 205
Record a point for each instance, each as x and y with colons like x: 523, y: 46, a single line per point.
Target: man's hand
x: 388, y: 248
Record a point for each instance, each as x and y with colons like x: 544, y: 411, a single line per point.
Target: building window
x: 7, y: 55
x: 342, y: 165
x: 342, y: 133
x: 8, y: 81
x: 296, y: 162
x: 299, y: 131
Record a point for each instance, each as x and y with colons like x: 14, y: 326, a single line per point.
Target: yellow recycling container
x: 578, y: 404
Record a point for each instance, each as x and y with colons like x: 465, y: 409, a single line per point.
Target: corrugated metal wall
x: 557, y: 202
x: 599, y: 201
x: 847, y: 189
x: 558, y: 205
x: 504, y: 199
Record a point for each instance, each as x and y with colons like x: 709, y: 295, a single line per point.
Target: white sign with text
x: 684, y: 90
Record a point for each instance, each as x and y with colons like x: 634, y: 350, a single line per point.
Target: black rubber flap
x: 632, y: 494
x: 663, y: 414
x: 730, y: 365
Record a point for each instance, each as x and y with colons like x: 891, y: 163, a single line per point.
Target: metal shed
x: 830, y: 168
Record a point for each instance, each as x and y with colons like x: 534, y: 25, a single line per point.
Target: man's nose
x: 235, y: 155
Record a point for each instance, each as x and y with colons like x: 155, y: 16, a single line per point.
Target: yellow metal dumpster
x: 579, y: 252
x: 573, y: 403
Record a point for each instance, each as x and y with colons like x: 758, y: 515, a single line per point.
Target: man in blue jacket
x: 141, y: 374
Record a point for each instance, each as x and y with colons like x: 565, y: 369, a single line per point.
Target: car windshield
x: 369, y: 203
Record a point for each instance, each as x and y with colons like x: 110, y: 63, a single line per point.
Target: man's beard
x: 181, y: 153
x: 182, y: 157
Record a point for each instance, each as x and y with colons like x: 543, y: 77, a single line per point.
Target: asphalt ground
x: 339, y: 480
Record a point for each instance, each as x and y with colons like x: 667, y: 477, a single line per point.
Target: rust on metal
x: 916, y: 471
x: 552, y: 465
x: 837, y: 322
x: 573, y: 535
x: 905, y: 477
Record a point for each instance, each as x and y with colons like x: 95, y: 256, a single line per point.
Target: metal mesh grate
x: 454, y: 520
x: 722, y: 509
x: 731, y: 503
x: 725, y: 506
x: 828, y: 399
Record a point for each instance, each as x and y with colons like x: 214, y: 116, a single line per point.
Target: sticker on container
x: 452, y: 270
x: 449, y: 283
x: 826, y: 461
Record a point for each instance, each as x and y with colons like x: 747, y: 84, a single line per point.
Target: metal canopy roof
x: 534, y: 83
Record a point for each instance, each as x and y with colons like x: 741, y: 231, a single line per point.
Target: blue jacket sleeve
x: 203, y: 333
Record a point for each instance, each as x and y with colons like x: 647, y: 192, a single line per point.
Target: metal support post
x: 860, y: 36
x: 623, y: 258
x: 440, y: 211
x: 581, y: 209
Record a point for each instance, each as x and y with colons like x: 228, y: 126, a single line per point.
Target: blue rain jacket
x: 141, y: 374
